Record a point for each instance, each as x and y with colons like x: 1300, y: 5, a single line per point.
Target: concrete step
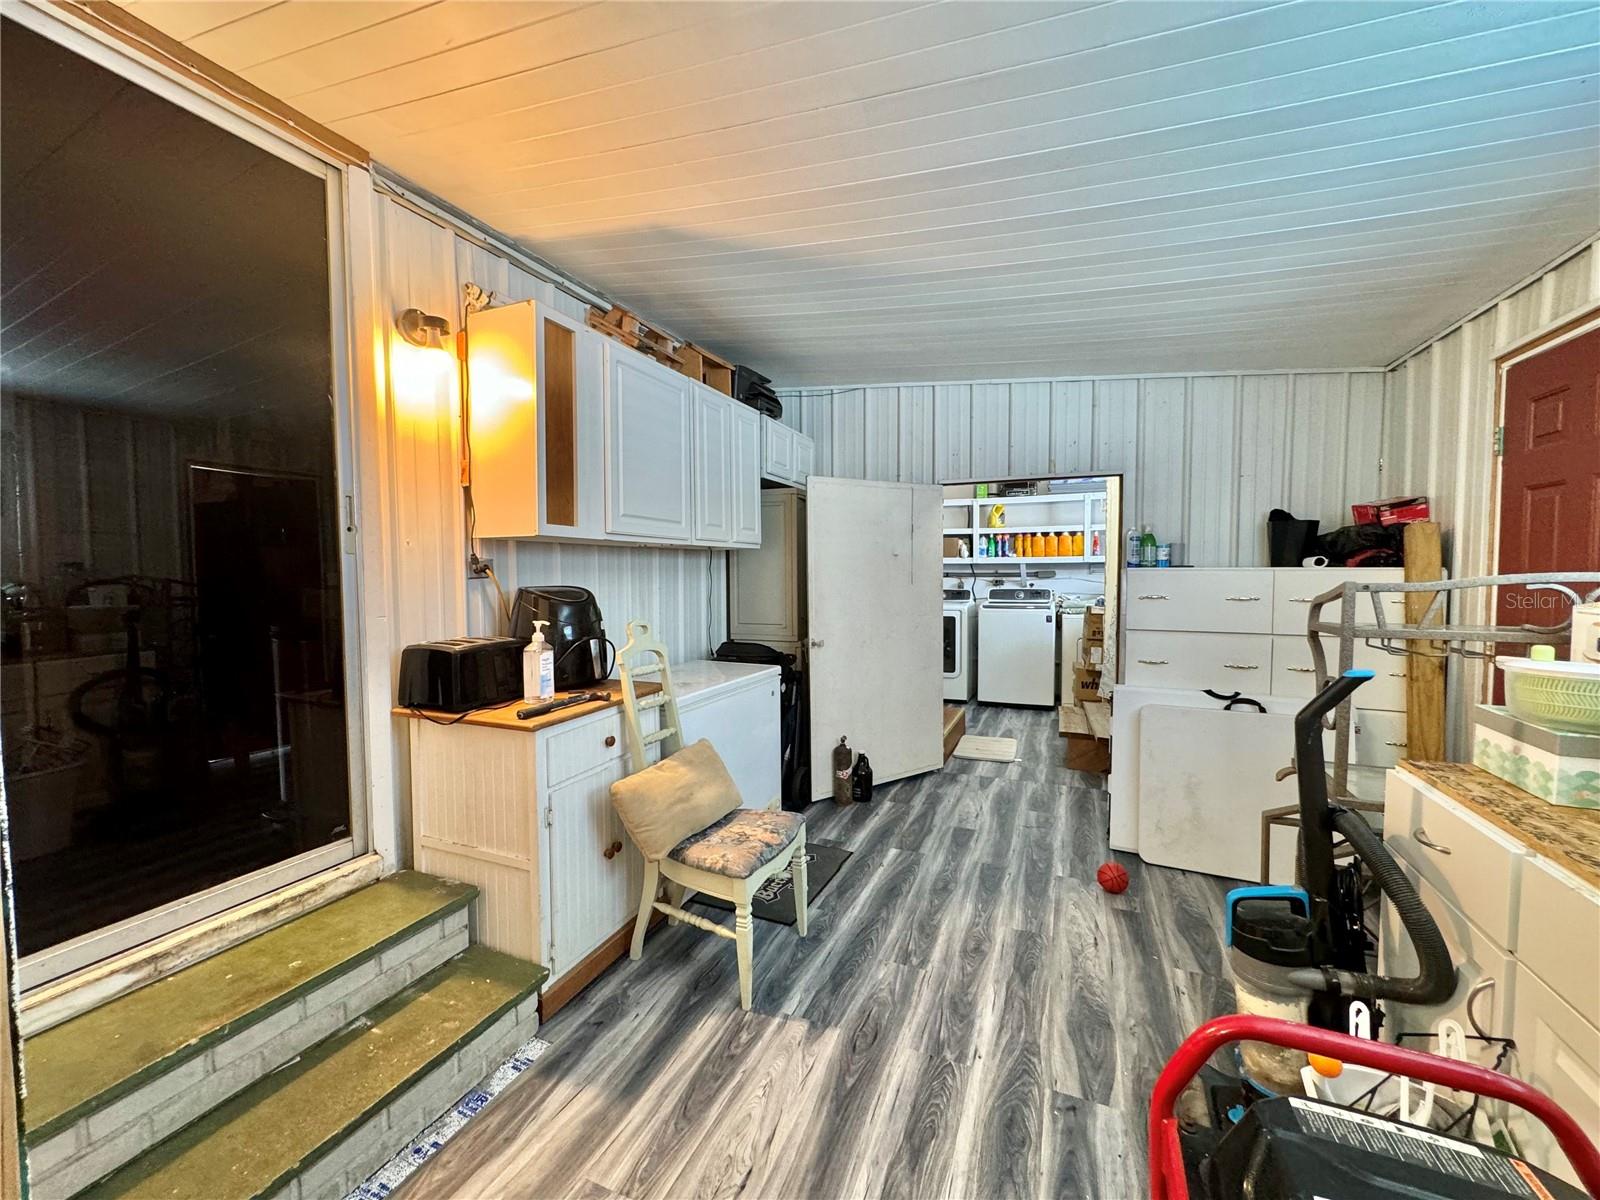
x: 319, y: 1126
x: 104, y: 1086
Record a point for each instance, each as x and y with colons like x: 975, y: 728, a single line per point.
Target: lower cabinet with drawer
x: 525, y: 815
x: 1524, y: 932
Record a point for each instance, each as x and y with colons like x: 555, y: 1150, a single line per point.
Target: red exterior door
x: 1550, y: 477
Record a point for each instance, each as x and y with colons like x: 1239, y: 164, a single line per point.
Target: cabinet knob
x: 613, y: 850
x: 611, y: 740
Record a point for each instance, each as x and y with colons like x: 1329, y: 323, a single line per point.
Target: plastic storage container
x: 1558, y: 695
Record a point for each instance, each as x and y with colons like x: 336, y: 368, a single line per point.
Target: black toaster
x: 460, y: 674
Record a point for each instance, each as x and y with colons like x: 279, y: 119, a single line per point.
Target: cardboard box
x: 1397, y: 510
x: 1091, y: 655
x: 1085, y: 684
x: 953, y: 547
x: 1088, y: 753
x: 1094, y: 626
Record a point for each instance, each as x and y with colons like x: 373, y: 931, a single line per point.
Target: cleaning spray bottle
x: 538, y: 666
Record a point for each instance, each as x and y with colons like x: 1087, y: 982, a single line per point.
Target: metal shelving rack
x: 1467, y: 641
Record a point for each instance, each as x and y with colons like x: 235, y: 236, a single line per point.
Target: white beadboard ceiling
x: 850, y: 192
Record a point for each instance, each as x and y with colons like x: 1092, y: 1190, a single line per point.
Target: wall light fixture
x: 423, y: 329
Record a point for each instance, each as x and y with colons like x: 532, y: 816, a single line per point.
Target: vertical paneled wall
x: 680, y: 592
x: 1206, y: 456
x: 1439, y: 435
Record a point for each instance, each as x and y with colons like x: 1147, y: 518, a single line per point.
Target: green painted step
x: 84, y: 1064
x: 273, y: 1130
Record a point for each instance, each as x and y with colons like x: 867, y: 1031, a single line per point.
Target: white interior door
x: 874, y: 597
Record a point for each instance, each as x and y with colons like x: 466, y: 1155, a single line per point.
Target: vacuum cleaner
x: 1299, y: 957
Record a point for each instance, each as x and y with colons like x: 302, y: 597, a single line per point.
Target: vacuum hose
x: 1435, y: 979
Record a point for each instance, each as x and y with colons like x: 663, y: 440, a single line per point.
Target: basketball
x: 1113, y: 877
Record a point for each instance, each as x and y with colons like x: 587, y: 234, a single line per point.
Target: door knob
x: 613, y: 850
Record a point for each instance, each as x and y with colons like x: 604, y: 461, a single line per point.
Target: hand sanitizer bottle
x: 538, y: 666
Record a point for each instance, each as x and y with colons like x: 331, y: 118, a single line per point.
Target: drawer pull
x: 1241, y: 666
x: 611, y: 740
x: 1154, y: 662
x: 1397, y: 745
x: 1303, y: 670
x: 1422, y: 839
x: 1152, y: 597
x: 1301, y: 599
x: 1397, y: 674
x: 613, y: 850
x: 1242, y: 599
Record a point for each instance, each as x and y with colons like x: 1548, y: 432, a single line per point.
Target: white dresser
x: 1239, y: 629
x: 523, y: 812
x: 1521, y: 916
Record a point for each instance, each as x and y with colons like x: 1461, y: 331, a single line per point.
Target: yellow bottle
x: 1077, y: 545
x: 1052, y: 546
x: 1027, y: 546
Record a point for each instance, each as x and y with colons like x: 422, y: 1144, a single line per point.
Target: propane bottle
x: 842, y: 761
x: 861, y: 780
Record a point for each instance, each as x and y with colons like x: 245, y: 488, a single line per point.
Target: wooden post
x: 1425, y: 666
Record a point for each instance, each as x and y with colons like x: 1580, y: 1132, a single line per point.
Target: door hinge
x: 550, y: 817
x: 1499, y: 441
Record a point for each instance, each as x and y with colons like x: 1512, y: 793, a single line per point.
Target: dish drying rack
x: 1429, y: 637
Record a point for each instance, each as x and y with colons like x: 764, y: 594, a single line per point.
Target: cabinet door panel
x: 649, y: 438
x: 804, y: 458
x: 777, y: 451
x: 746, y: 476
x: 591, y: 896
x: 713, y: 468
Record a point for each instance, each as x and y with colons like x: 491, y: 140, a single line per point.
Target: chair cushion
x: 674, y: 798
x: 740, y: 844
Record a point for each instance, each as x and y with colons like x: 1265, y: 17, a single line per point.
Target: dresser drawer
x: 1199, y: 601
x: 571, y: 748
x: 1224, y: 662
x: 1558, y: 1052
x: 1469, y: 862
x: 1294, y: 675
x: 1558, y: 930
x: 1294, y: 588
x: 1377, y: 738
x: 1481, y: 966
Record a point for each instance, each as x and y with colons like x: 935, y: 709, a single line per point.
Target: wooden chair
x: 732, y: 857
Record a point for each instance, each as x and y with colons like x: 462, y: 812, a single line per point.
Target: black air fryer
x: 576, y: 633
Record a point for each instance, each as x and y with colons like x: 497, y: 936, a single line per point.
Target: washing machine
x: 960, y: 645
x: 1017, y: 627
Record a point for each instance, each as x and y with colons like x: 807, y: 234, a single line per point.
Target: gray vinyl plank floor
x: 970, y: 1017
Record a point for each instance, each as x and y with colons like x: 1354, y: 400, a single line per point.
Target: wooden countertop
x: 505, y: 716
x: 1569, y: 836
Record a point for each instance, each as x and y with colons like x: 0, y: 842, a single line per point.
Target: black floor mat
x: 775, y: 901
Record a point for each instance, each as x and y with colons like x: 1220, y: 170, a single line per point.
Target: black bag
x: 1289, y: 540
x: 1366, y: 546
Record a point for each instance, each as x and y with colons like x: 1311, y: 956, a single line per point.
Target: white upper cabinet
x: 573, y: 435
x: 650, y: 449
x: 786, y: 454
x: 714, y: 455
x: 746, y: 476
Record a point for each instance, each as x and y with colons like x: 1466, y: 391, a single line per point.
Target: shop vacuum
x: 1299, y: 957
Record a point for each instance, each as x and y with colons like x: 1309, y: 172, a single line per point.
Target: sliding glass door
x: 176, y: 636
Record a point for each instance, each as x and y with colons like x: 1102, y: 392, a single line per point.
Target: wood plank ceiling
x: 853, y: 192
